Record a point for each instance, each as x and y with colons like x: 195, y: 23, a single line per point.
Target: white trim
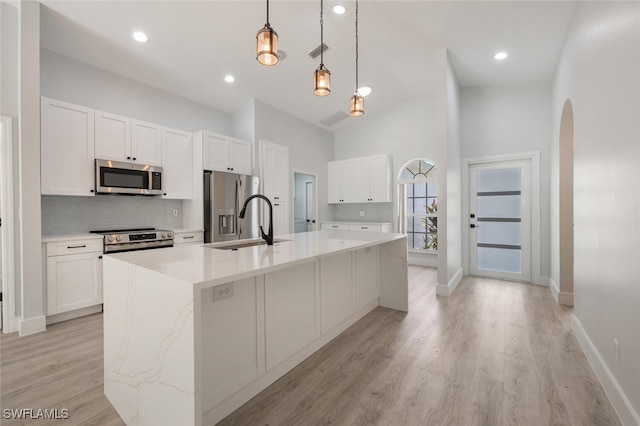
x: 619, y: 401
x: 560, y: 297
x: 77, y: 313
x: 534, y: 157
x: 32, y: 325
x: 316, y: 226
x: 447, y: 290
x: 9, y: 319
x: 554, y: 289
x: 422, y: 259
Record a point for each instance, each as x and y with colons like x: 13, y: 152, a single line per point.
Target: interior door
x: 500, y: 220
x: 311, y: 222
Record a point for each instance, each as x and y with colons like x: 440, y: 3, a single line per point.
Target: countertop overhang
x: 205, y: 266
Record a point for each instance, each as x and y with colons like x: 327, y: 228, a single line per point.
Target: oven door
x: 113, y: 177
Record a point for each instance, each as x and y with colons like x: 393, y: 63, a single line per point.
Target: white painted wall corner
x: 447, y: 290
x: 32, y: 325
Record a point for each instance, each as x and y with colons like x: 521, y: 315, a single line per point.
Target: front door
x: 500, y: 220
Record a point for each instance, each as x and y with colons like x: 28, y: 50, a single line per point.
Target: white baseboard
x: 32, y: 325
x: 65, y: 316
x: 447, y: 290
x: 560, y: 297
x: 422, y: 259
x: 628, y: 416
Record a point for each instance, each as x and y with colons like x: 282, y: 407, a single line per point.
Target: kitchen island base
x: 190, y: 353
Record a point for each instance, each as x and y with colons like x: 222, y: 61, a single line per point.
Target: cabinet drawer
x: 336, y: 226
x: 188, y: 238
x: 374, y: 228
x: 59, y: 248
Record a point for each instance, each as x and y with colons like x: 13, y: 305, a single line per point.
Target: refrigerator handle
x: 238, y: 207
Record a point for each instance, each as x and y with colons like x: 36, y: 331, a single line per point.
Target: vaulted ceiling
x: 194, y: 44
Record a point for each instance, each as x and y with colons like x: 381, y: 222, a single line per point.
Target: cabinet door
x: 367, y: 278
x: 73, y: 282
x: 177, y: 164
x: 67, y: 149
x: 361, y: 191
x: 240, y: 160
x: 334, y: 174
x: 146, y: 143
x: 281, y: 221
x: 274, y: 160
x: 348, y: 181
x: 380, y: 179
x: 336, y: 290
x: 216, y: 152
x: 113, y: 137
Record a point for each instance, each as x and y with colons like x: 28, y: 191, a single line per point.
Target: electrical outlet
x: 222, y: 292
x: 361, y: 213
x: 175, y: 212
x: 616, y: 348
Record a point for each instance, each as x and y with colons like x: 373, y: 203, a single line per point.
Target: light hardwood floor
x: 494, y: 353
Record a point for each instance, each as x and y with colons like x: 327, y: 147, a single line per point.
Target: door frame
x: 9, y: 320
x: 293, y: 195
x: 534, y: 158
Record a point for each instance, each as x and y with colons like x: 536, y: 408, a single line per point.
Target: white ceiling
x: 194, y: 44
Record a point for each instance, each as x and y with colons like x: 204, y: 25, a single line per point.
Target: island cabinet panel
x: 291, y: 306
x: 230, y: 353
x: 336, y: 290
x: 367, y: 277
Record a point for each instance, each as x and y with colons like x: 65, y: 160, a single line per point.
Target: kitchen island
x: 193, y: 332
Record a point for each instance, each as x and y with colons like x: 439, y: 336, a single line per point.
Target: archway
x: 566, y: 148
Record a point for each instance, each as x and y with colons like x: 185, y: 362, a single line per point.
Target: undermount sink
x: 244, y: 244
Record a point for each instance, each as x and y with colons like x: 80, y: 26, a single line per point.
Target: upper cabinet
x: 226, y: 154
x: 360, y: 180
x: 274, y: 166
x: 67, y: 148
x: 177, y: 164
x: 121, y: 138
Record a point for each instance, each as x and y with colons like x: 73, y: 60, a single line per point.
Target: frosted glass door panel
x: 503, y: 206
x: 503, y: 233
x: 497, y: 259
x: 498, y: 180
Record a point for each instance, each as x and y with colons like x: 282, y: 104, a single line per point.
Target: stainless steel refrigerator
x: 224, y: 194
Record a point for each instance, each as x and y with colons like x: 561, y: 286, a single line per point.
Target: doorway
x: 7, y: 285
x: 304, y: 202
x: 499, y: 225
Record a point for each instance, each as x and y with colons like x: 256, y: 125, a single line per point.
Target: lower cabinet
x: 74, y: 275
x: 336, y: 290
x: 366, y: 277
x: 358, y: 226
x: 187, y: 237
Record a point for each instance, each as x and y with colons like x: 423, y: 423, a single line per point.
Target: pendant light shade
x: 267, y: 44
x: 322, y: 75
x: 357, y: 105
x: 357, y: 101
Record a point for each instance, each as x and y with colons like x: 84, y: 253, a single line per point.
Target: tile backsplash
x: 72, y: 215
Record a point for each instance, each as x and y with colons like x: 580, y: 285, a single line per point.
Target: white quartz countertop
x: 71, y: 237
x: 207, y: 266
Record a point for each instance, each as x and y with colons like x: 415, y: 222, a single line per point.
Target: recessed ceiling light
x: 365, y: 91
x: 140, y: 36
x: 229, y: 78
x: 500, y: 55
x: 339, y: 9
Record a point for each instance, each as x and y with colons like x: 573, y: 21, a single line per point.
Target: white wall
x: 310, y: 147
x: 599, y: 72
x: 512, y: 119
x: 406, y: 131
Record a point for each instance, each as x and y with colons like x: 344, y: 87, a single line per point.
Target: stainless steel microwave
x: 115, y: 177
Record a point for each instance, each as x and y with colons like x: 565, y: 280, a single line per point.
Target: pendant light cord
x: 356, y: 46
x: 268, y: 25
x: 321, y: 33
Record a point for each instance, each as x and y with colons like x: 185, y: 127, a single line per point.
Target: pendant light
x: 357, y: 101
x: 323, y: 75
x: 267, y: 44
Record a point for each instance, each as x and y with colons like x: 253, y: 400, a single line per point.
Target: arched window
x: 418, y: 211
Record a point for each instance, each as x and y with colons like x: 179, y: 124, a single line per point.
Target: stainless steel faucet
x: 269, y: 236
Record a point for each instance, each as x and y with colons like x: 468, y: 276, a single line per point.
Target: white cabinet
x: 274, y: 167
x: 336, y: 290
x: 74, y: 274
x: 226, y: 154
x: 360, y: 180
x: 281, y: 218
x: 121, y: 138
x: 188, y: 237
x: 367, y: 277
x: 335, y: 226
x: 67, y: 148
x: 341, y: 182
x: 359, y: 226
x: 177, y: 164
x: 290, y: 311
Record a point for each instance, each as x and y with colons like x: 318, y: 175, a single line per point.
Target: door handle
x: 474, y: 226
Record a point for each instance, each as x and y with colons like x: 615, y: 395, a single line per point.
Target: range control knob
x: 118, y: 238
x: 164, y: 235
x: 110, y: 238
x: 169, y: 235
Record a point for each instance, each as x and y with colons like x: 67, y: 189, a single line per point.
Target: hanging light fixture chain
x: 356, y: 45
x: 321, y: 33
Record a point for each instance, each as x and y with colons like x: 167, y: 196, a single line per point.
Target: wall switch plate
x: 616, y: 347
x: 175, y: 212
x: 222, y: 292
x: 361, y: 213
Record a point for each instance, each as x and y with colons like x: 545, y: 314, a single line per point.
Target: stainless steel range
x: 119, y: 240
